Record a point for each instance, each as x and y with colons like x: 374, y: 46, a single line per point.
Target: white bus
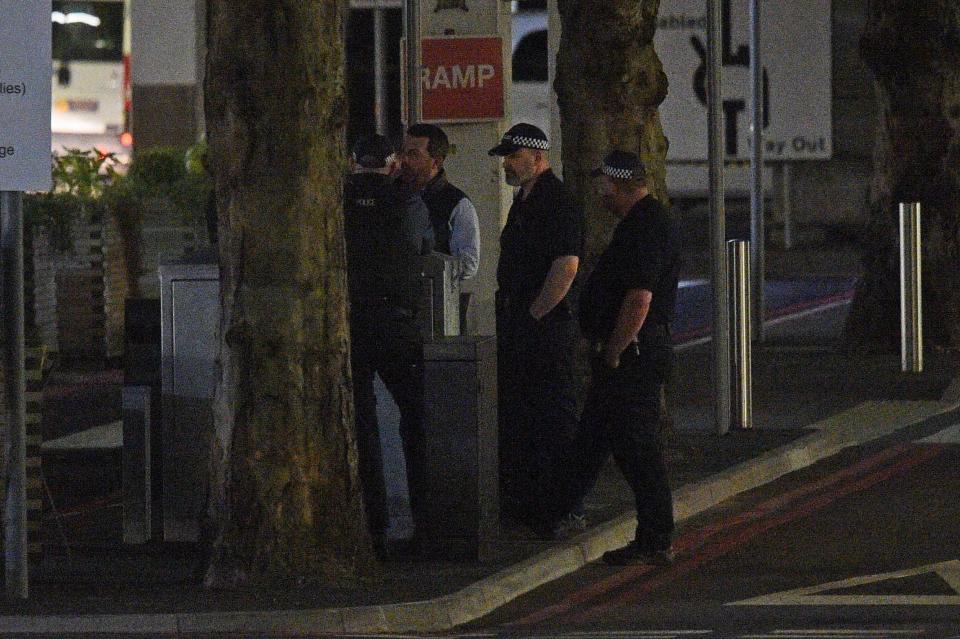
x: 91, y: 76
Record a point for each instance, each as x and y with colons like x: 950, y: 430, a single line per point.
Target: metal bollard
x: 911, y: 299
x: 738, y: 254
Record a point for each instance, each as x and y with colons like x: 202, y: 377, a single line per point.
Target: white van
x: 530, y: 98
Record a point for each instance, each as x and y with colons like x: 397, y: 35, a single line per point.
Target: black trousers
x: 386, y: 340
x: 621, y: 417
x: 537, y: 405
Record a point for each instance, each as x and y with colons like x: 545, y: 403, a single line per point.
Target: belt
x: 653, y: 331
x: 649, y: 334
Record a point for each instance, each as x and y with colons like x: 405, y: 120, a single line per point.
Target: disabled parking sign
x: 25, y: 36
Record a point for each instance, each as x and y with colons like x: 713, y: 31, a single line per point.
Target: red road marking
x: 725, y: 545
x: 772, y: 314
x: 696, y: 538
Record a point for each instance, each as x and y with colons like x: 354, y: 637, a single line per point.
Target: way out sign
x: 461, y: 79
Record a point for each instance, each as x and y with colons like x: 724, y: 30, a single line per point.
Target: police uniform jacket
x: 545, y: 226
x: 643, y: 254
x: 385, y: 231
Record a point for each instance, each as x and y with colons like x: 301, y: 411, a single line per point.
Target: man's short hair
x: 372, y: 152
x: 437, y: 143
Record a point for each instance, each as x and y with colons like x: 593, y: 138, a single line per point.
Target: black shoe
x: 633, y: 554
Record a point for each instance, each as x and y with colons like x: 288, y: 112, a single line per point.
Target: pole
x: 15, y: 512
x: 379, y: 72
x: 411, y: 32
x: 757, y: 244
x: 787, y: 206
x: 911, y: 299
x: 715, y: 151
x: 739, y: 262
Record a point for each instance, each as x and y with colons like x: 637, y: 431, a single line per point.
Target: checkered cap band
x: 614, y: 172
x: 530, y: 143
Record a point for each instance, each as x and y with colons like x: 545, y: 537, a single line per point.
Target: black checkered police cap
x: 621, y: 165
x: 521, y: 136
x: 372, y: 151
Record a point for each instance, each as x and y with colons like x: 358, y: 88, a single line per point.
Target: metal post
x: 379, y: 72
x: 411, y: 32
x: 15, y: 513
x: 739, y: 261
x: 911, y: 299
x: 715, y: 151
x: 757, y: 263
x: 787, y: 207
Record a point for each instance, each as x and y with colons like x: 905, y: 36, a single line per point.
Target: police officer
x: 454, y: 218
x: 625, y: 311
x: 540, y: 249
x: 385, y: 231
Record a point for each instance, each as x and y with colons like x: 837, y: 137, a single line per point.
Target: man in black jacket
x: 385, y: 231
x: 625, y: 311
x: 540, y: 249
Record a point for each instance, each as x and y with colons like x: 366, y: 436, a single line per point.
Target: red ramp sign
x: 461, y: 79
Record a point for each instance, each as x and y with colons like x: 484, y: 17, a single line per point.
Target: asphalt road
x: 864, y: 544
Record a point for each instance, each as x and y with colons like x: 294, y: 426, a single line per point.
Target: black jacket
x: 385, y: 231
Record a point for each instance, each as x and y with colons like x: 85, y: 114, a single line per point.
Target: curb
x: 863, y: 423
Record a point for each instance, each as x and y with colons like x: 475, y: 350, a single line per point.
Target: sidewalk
x: 810, y: 400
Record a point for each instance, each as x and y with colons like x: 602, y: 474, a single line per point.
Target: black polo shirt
x: 643, y: 254
x: 545, y: 226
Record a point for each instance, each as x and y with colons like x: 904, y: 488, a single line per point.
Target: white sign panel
x: 25, y: 95
x: 795, y: 53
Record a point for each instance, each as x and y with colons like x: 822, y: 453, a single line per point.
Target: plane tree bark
x: 609, y: 85
x: 285, y: 495
x: 913, y: 51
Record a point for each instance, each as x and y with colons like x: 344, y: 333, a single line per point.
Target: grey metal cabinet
x: 190, y: 315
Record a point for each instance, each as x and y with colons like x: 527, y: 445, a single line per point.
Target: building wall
x: 167, y: 55
x: 836, y: 191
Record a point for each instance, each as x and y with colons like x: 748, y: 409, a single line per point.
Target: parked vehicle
x: 90, y: 77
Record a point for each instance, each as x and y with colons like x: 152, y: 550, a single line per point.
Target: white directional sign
x: 795, y: 54
x: 832, y: 594
x: 25, y: 95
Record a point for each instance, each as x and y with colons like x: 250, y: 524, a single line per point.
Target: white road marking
x: 949, y: 435
x: 626, y: 634
x: 839, y: 633
x: 949, y: 571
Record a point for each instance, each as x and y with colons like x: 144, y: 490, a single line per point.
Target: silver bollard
x: 911, y: 299
x: 738, y: 255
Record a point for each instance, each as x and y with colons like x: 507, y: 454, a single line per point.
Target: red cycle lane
x: 704, y: 544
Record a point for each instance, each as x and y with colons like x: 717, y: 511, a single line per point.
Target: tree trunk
x: 913, y: 51
x: 285, y: 494
x: 609, y: 85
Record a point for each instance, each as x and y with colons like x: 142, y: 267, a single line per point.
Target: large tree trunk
x: 913, y: 50
x: 286, y: 498
x: 609, y: 85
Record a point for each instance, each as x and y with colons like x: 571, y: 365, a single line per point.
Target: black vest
x: 380, y: 257
x: 441, y: 198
